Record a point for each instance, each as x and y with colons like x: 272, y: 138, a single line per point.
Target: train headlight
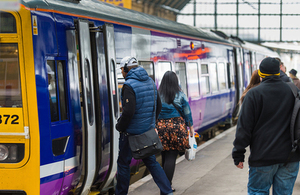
x: 3, y: 152
x: 11, y: 153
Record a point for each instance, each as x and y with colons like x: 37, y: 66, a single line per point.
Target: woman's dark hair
x: 169, y: 86
x: 254, y: 81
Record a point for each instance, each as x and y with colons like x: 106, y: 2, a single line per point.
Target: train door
x: 110, y: 137
x: 97, y: 72
x: 87, y: 92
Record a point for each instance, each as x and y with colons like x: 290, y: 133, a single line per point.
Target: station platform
x: 211, y: 173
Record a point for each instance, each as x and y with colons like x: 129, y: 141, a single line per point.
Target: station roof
x: 174, y: 4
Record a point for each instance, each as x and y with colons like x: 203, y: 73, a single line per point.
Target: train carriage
x: 59, y: 87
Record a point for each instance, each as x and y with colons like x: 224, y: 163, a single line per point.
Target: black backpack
x: 295, y: 120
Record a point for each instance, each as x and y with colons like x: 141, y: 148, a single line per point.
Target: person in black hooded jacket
x: 264, y: 125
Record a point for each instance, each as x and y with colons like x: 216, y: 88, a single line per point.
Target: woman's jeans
x: 123, y: 174
x: 282, y: 177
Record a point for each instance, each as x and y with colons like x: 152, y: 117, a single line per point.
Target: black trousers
x: 169, y: 162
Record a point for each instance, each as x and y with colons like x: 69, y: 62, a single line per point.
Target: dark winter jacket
x: 264, y: 124
x: 143, y: 89
x: 284, y: 77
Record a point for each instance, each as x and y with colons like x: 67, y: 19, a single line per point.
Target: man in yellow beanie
x: 264, y: 125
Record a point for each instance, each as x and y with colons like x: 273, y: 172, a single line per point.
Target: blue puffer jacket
x: 143, y: 87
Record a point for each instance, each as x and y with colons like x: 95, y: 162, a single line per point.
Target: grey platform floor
x: 211, y: 173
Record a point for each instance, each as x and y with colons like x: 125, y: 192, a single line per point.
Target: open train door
x: 112, y: 134
x: 87, y: 93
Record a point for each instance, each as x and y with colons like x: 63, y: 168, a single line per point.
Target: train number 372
x: 9, y: 119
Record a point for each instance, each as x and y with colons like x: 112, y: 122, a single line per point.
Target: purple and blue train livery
x: 68, y: 76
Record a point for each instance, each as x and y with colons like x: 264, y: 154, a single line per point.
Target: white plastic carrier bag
x: 191, y: 153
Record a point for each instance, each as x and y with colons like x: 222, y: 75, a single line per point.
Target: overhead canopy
x: 174, y: 4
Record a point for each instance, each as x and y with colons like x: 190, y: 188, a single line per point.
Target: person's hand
x: 240, y: 165
x: 156, y: 130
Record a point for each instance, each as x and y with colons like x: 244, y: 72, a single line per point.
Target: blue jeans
x: 123, y: 174
x: 282, y: 177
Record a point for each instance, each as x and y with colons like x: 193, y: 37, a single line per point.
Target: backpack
x: 295, y: 120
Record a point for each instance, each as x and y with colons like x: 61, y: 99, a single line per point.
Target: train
x: 60, y: 87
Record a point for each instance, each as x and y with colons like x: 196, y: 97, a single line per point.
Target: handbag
x: 145, y: 144
x: 190, y: 154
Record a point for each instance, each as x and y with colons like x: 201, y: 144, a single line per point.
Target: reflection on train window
x: 181, y: 73
x: 254, y: 62
x: 193, y: 79
x: 88, y: 90
x: 161, y: 69
x: 213, y: 77
x: 222, y: 76
x: 114, y: 88
x: 10, y: 85
x: 149, y: 67
x: 204, y: 80
x: 232, y: 82
x: 57, y: 90
x: 247, y: 68
x: 62, y: 90
x: 51, y: 72
x: 7, y: 23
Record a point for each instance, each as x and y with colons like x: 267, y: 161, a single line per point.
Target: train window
x: 10, y: 86
x: 204, y: 69
x: 222, y: 76
x: 214, y: 77
x: 181, y: 73
x: 231, y: 78
x: 88, y: 90
x: 193, y: 79
x: 51, y: 71
x: 204, y: 80
x: 57, y: 90
x: 7, y: 23
x: 247, y: 68
x: 149, y: 67
x: 114, y: 88
x: 161, y: 69
x: 62, y: 90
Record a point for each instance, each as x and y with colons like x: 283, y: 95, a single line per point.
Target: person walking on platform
x: 137, y: 95
x: 295, y: 79
x: 264, y: 125
x: 172, y: 121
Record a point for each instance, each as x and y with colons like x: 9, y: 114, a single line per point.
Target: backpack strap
x: 294, y: 89
x: 296, y: 94
x: 296, y: 108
